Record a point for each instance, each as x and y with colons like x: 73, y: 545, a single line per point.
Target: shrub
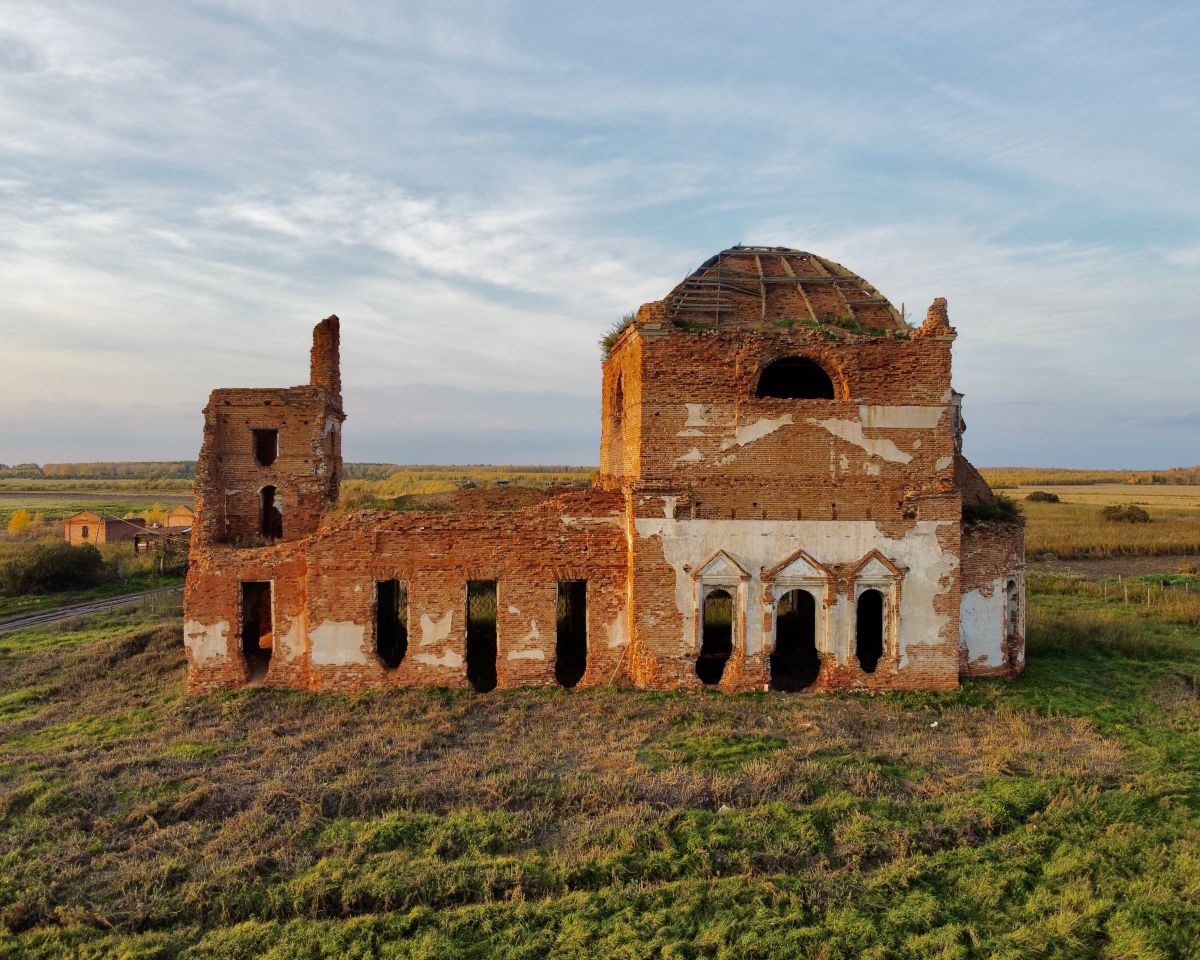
x: 1042, y: 496
x: 1002, y: 509
x: 47, y: 568
x: 1125, y: 513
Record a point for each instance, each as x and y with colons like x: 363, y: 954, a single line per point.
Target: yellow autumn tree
x: 19, y: 522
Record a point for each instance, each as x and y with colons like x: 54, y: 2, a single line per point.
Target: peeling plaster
x: 290, y: 646
x: 943, y: 463
x: 696, y: 413
x: 692, y: 456
x: 338, y: 642
x: 897, y: 417
x: 617, y: 632
x: 207, y: 641
x: 435, y: 631
x: 449, y: 659
x: 756, y: 431
x: 852, y: 432
x: 759, y: 545
x: 982, y: 618
x: 535, y: 654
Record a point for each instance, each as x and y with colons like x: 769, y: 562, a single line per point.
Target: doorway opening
x: 570, y: 658
x: 481, y: 634
x: 391, y: 621
x: 257, y: 627
x: 716, y: 636
x: 795, y: 664
x: 272, y: 516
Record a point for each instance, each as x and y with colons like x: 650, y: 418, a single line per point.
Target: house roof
x: 778, y: 288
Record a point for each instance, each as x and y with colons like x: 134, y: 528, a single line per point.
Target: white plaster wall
x: 207, y: 641
x: 982, y: 624
x: 338, y: 643
x: 761, y: 544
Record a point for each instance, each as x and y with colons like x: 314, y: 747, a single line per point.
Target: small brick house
x: 178, y: 518
x: 88, y: 527
x: 782, y: 503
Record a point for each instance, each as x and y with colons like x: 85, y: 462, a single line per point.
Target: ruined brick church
x: 782, y: 503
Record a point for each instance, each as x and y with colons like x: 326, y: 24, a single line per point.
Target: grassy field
x: 1057, y: 815
x: 33, y: 603
x: 1073, y: 528
x: 56, y: 500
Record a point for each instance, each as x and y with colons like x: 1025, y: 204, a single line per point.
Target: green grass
x: 32, y: 603
x: 1054, y: 816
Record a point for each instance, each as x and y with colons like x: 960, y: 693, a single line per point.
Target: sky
x: 480, y: 190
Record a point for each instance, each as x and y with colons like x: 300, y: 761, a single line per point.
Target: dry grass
x: 137, y: 822
x: 1074, y: 529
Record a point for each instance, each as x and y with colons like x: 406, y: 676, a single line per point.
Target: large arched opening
x: 795, y: 664
x: 271, y: 517
x: 868, y: 629
x: 716, y: 636
x: 795, y: 378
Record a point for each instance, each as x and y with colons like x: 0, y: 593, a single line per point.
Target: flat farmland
x: 1074, y: 530
x: 58, y: 499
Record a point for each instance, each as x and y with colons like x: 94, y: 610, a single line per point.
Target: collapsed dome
x: 778, y: 288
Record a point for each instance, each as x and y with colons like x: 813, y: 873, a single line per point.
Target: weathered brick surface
x: 993, y: 557
x: 703, y: 485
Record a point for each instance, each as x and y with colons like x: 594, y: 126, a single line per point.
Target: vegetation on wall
x: 1002, y: 509
x: 610, y: 338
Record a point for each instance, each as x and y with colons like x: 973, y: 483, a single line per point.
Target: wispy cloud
x: 480, y: 191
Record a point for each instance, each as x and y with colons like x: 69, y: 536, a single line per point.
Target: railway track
x: 21, y: 621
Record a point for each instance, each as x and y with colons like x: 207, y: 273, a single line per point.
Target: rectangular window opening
x: 570, y: 661
x: 481, y: 634
x: 391, y: 621
x: 266, y: 447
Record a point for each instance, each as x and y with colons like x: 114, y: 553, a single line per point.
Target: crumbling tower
x: 271, y: 461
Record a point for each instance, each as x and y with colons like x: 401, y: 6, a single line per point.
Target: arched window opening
x: 391, y: 621
x: 619, y: 402
x: 570, y: 657
x: 271, y: 515
x: 481, y: 634
x: 795, y: 378
x: 868, y: 630
x: 1012, y: 610
x: 257, y: 628
x: 794, y: 664
x: 716, y: 636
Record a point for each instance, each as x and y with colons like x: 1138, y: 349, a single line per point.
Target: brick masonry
x: 704, y: 486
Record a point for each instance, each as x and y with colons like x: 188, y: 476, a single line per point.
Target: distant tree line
x: 1056, y: 476
x: 186, y: 470
x: 103, y: 470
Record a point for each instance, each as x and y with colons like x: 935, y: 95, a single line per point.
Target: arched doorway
x: 271, y: 515
x: 716, y: 636
x: 868, y: 629
x: 795, y: 664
